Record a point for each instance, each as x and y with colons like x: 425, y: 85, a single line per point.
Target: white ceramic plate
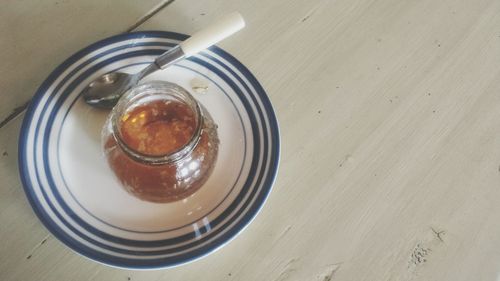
x: 74, y: 193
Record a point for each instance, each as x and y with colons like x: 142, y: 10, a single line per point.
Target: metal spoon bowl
x: 105, y: 91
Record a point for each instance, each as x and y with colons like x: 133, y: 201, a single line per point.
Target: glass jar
x: 160, y: 142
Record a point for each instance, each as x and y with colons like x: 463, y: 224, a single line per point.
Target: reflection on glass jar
x: 160, y: 142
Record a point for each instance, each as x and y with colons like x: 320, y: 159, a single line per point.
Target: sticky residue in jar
x: 159, y: 128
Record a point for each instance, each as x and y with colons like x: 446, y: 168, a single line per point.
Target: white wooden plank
x: 370, y: 161
x: 36, y: 36
x: 390, y: 167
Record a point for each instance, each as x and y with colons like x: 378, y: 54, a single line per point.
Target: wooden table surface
x: 390, y: 121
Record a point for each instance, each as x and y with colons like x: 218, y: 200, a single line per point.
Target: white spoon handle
x: 212, y: 34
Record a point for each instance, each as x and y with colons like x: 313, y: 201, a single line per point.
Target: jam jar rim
x: 135, y: 93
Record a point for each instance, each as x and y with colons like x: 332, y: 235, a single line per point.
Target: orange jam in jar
x: 160, y: 142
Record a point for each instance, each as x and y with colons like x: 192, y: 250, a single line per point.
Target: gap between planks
x: 149, y: 14
x: 163, y: 4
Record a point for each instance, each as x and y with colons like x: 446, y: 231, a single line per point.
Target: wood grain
x: 390, y: 169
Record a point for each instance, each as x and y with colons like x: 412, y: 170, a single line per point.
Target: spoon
x: 105, y: 91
